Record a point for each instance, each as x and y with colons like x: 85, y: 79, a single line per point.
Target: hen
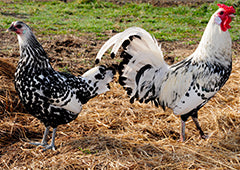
x: 184, y: 87
x: 53, y: 97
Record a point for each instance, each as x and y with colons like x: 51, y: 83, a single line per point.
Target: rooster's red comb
x: 228, y: 9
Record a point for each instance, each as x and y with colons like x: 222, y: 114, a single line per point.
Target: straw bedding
x: 111, y: 133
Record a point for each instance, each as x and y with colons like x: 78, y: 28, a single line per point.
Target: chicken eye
x: 19, y: 26
x: 221, y: 13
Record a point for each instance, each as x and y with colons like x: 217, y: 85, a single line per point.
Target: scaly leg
x: 183, y: 120
x: 52, y: 145
x: 195, y: 120
x: 44, y: 140
x: 182, y: 134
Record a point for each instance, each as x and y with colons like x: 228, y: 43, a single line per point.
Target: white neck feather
x: 23, y: 38
x: 215, y: 43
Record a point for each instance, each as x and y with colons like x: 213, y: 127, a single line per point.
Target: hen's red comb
x: 228, y: 9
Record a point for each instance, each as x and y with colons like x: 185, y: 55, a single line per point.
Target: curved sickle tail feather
x: 118, y: 40
x: 142, y: 62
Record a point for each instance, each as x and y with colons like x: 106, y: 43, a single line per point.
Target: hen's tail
x: 100, y: 77
x: 142, y: 62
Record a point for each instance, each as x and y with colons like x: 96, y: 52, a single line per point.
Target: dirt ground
x: 111, y: 133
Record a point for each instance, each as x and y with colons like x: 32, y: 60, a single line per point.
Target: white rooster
x: 185, y: 86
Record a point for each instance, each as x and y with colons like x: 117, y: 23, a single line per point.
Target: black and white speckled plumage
x: 53, y: 97
x: 185, y: 86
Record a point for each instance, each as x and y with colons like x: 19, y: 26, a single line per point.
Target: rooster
x: 53, y: 97
x: 184, y: 87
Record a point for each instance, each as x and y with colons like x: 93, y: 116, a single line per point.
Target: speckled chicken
x: 53, y: 97
x: 184, y: 87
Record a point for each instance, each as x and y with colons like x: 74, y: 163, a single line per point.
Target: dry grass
x: 111, y: 133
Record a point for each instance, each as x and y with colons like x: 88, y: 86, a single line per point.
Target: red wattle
x: 228, y: 21
x: 225, y: 25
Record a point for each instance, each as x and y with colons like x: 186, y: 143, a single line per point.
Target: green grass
x: 91, y: 16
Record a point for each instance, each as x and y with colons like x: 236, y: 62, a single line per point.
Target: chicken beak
x: 11, y: 28
x: 232, y: 15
